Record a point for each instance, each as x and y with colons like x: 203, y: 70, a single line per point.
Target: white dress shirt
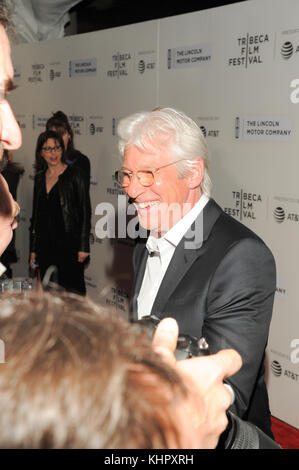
x: 161, y: 251
x: 2, y: 269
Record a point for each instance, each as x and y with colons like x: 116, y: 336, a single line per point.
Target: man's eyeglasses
x: 51, y: 149
x: 145, y: 177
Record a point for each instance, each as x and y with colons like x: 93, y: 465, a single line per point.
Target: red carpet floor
x: 286, y: 436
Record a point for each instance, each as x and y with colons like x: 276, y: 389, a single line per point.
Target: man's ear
x: 196, y: 174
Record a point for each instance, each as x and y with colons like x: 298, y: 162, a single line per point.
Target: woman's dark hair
x: 40, y: 163
x: 60, y: 123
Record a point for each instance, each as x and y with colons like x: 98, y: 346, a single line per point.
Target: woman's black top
x: 64, y: 213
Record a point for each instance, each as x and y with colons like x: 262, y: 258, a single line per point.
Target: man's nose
x: 134, y: 188
x: 10, y: 132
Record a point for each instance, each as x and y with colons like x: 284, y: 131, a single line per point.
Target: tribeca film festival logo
x: 250, y: 50
x: 37, y: 73
x: 245, y: 205
x: 77, y: 122
x: 122, y: 222
x: 120, y: 65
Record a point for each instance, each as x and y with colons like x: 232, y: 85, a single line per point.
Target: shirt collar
x: 2, y: 269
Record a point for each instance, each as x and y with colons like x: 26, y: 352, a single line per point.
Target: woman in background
x: 60, y: 223
x: 60, y: 124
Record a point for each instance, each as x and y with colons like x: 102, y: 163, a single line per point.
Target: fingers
x: 165, y: 339
x: 215, y: 368
x: 228, y: 361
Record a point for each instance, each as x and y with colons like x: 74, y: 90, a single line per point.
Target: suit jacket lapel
x: 183, y: 258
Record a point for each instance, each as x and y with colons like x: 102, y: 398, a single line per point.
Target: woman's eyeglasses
x: 51, y: 149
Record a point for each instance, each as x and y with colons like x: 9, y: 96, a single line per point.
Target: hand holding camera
x: 204, y: 378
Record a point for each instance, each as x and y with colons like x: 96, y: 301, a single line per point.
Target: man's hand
x: 208, y: 398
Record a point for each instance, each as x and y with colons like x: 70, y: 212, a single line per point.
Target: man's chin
x: 156, y: 228
x: 148, y: 225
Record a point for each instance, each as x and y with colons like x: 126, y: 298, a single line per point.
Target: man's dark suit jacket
x: 224, y: 291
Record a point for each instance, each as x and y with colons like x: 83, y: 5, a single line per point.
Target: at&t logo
x: 279, y: 214
x: 287, y: 50
x: 92, y: 129
x: 203, y: 130
x: 141, y: 66
x: 278, y: 371
x: 276, y: 368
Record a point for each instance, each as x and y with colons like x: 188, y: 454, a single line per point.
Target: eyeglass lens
x: 51, y: 149
x: 146, y: 178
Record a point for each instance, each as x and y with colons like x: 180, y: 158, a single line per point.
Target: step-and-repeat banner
x: 235, y: 70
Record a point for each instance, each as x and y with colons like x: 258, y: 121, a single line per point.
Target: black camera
x: 239, y: 434
x: 187, y: 345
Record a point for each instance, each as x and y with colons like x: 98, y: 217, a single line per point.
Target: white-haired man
x: 199, y: 265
